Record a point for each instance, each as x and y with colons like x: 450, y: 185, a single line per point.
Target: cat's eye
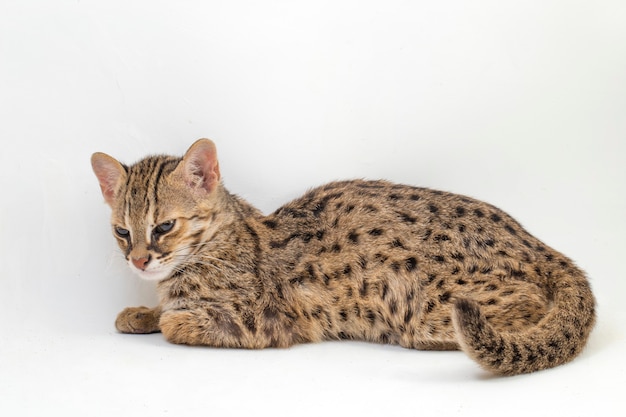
x: 121, y: 232
x: 164, y: 227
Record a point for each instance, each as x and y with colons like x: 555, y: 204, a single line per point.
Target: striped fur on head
x: 162, y: 206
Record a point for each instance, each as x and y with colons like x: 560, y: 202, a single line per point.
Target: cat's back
x: 384, y: 218
x: 382, y: 203
x: 361, y: 197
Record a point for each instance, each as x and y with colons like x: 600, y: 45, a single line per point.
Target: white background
x: 520, y: 103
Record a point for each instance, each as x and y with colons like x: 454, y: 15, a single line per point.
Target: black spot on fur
x: 441, y: 238
x: 326, y: 279
x: 249, y: 322
x: 460, y: 211
x: 310, y: 269
x: 397, y: 243
x: 364, y: 289
x: 343, y: 314
x: 353, y: 237
x: 495, y: 217
x: 321, y: 205
x: 375, y: 232
x: 407, y: 218
x: 516, y: 353
x: 433, y: 208
x: 296, y: 281
x: 270, y: 223
x: 411, y: 264
x: 408, y: 316
x: 479, y: 213
x: 393, y: 307
x: 458, y: 256
x: 379, y: 257
x: 385, y: 290
x: 516, y: 273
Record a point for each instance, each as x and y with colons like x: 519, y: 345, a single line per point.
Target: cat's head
x: 162, y: 206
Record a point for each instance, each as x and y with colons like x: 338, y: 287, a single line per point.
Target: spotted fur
x: 362, y: 260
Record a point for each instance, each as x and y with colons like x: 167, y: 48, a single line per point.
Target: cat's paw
x: 181, y: 327
x: 139, y: 320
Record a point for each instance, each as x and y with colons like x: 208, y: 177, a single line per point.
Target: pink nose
x: 141, y: 263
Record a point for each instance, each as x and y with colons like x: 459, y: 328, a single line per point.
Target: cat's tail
x: 558, y: 337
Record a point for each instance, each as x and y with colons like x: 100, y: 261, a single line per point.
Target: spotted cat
x: 361, y: 260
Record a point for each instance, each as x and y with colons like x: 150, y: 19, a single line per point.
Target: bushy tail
x: 558, y: 338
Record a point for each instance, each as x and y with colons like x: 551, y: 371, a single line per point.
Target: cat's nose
x: 141, y: 263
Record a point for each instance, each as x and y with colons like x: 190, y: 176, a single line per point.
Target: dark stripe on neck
x: 257, y: 247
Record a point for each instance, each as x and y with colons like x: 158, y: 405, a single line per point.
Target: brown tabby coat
x: 367, y: 260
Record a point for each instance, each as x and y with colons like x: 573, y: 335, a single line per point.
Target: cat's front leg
x: 139, y: 320
x: 210, y: 326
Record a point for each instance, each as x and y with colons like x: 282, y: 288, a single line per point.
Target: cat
x: 361, y: 260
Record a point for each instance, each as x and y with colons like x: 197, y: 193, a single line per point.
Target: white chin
x: 155, y: 275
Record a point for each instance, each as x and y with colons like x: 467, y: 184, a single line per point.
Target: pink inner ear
x: 108, y: 193
x: 108, y: 171
x: 202, y: 166
x: 211, y: 175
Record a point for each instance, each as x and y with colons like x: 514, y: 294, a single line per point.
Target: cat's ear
x: 110, y: 175
x: 200, y: 166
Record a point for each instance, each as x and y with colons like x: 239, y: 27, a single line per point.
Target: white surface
x: 522, y: 104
